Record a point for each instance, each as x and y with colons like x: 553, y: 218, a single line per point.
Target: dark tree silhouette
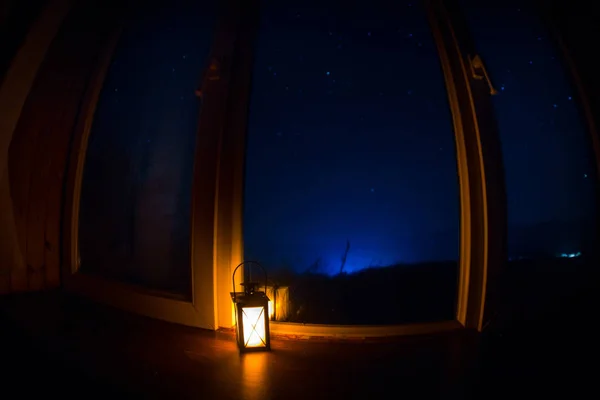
x: 345, y: 256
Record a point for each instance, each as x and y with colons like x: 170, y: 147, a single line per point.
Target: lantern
x: 251, y: 313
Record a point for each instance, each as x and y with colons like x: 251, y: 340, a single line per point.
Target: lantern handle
x: 248, y: 262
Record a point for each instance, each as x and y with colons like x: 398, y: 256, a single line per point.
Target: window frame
x: 479, y: 214
x: 200, y: 310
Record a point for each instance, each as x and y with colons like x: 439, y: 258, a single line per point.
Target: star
x: 570, y: 98
x: 327, y: 73
x: 502, y: 87
x: 585, y: 175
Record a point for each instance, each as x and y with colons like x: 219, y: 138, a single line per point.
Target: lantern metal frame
x: 251, y: 298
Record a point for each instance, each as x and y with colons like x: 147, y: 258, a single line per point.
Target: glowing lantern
x: 251, y: 314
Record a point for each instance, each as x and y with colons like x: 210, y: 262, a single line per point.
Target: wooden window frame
x: 201, y: 310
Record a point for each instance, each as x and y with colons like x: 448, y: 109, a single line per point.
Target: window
x: 351, y: 188
x: 548, y: 163
x: 548, y: 159
x: 134, y: 223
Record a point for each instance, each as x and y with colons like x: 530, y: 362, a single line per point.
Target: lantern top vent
x: 251, y: 288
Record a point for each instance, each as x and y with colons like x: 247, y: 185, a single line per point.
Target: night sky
x: 350, y: 138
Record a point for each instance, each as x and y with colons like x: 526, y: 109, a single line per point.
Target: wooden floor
x: 69, y: 347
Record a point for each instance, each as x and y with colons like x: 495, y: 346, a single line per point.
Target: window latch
x: 479, y: 72
x: 212, y: 73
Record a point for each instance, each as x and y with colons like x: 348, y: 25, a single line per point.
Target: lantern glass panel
x: 253, y: 320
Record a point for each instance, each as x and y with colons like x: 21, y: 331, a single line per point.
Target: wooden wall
x: 16, y: 82
x: 37, y: 156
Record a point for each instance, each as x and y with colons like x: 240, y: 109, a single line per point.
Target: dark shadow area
x: 542, y: 339
x: 69, y: 345
x: 71, y: 342
x: 31, y: 353
x: 552, y: 291
x: 16, y: 18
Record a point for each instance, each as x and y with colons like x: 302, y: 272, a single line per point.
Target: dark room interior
x: 408, y: 192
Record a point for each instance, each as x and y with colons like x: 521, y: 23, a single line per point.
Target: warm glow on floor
x: 256, y: 376
x: 254, y: 326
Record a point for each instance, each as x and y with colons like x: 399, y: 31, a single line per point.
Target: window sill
x: 360, y: 331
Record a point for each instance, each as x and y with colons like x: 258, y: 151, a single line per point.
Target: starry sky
x: 350, y: 137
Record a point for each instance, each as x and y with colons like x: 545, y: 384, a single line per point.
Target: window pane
x: 351, y: 192
x: 134, y: 223
x: 548, y: 158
